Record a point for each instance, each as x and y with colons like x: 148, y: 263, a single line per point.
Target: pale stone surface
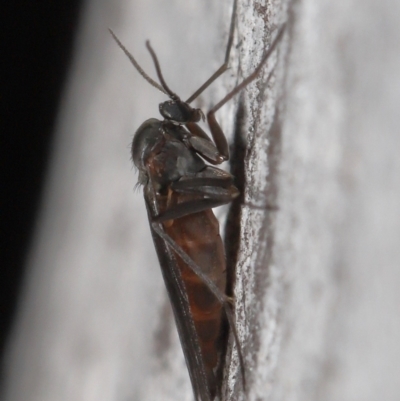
x: 317, y: 296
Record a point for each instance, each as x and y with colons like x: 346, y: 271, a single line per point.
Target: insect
x: 180, y: 190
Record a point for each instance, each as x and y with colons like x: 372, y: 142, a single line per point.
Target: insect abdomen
x: 198, y: 235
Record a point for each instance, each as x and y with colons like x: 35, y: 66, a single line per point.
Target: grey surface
x: 318, y: 275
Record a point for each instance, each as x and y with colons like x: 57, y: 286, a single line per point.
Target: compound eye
x: 179, y: 112
x: 174, y: 111
x: 168, y: 110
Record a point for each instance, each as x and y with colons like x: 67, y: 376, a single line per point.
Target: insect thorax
x: 160, y: 154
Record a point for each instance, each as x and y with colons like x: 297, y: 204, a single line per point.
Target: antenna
x: 172, y: 95
x: 137, y: 66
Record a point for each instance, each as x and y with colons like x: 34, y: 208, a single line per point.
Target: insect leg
x: 216, y: 131
x: 224, y: 300
x: 196, y: 186
x: 210, y: 176
x: 253, y: 75
x: 198, y: 205
x: 211, y: 188
x: 224, y: 66
x: 204, y: 146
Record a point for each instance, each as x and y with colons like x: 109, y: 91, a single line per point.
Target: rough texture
x: 317, y: 278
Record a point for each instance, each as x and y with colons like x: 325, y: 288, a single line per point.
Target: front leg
x: 216, y: 131
x: 218, y: 135
x: 214, y: 152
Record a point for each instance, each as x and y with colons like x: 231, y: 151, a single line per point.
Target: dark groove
x: 232, y: 228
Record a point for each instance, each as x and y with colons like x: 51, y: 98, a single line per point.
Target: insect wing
x: 180, y: 306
